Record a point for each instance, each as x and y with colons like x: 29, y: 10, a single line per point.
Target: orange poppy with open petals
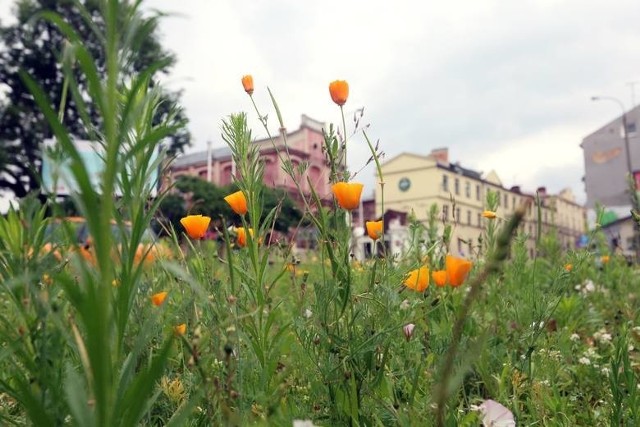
x: 457, y: 270
x: 158, y: 299
x: 374, y: 229
x: 418, y: 279
x: 180, y: 329
x: 339, y: 90
x: 439, y: 277
x: 348, y: 194
x: 238, y: 202
x: 195, y: 225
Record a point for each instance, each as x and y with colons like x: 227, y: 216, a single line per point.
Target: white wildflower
x: 574, y: 337
x: 308, y: 313
x: 584, y: 361
x: 405, y: 305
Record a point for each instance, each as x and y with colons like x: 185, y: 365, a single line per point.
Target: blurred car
x: 72, y: 233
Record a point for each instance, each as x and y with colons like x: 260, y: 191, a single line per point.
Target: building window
x: 445, y: 182
x: 457, y: 218
x: 456, y: 185
x: 631, y: 127
x: 513, y: 202
x: 498, y: 198
x: 445, y: 212
x: 479, y: 220
x: 478, y: 192
x: 460, y: 246
x: 469, y: 217
x: 467, y: 189
x: 506, y: 201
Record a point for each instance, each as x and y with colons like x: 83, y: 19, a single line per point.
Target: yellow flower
x: 568, y: 267
x: 195, y: 225
x: 238, y: 202
x: 339, y: 90
x: 247, y: 83
x: 439, y: 277
x: 173, y: 389
x: 489, y: 214
x: 457, y: 270
x: 158, y: 299
x: 604, y: 259
x: 180, y: 329
x: 374, y: 229
x: 348, y: 194
x: 418, y: 279
x: 242, y: 236
x: 46, y: 279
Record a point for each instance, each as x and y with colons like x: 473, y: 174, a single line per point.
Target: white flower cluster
x: 602, y: 336
x: 586, y: 288
x: 574, y: 337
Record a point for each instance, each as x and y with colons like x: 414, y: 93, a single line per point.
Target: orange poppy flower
x: 374, y: 229
x: 180, y: 329
x: 195, y: 225
x: 238, y: 202
x: 247, y: 83
x: 604, y: 259
x: 568, y: 267
x: 348, y: 194
x: 457, y: 270
x: 339, y: 90
x: 242, y: 236
x: 489, y: 214
x: 158, y: 299
x: 418, y: 279
x: 439, y: 277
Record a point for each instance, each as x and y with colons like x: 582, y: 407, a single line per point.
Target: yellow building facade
x: 413, y: 183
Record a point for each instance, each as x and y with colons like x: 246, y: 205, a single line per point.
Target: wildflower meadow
x: 189, y: 331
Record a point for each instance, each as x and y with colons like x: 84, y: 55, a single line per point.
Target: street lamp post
x: 632, y: 191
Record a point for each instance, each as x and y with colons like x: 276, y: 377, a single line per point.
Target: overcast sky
x: 506, y: 85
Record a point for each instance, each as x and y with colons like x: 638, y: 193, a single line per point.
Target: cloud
x: 494, y: 81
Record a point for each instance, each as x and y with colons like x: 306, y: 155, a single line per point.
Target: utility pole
x: 209, y: 161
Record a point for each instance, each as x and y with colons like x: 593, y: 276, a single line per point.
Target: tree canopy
x: 197, y: 196
x: 37, y: 47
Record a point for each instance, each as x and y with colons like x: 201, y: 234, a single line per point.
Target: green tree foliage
x: 38, y: 47
x: 197, y: 196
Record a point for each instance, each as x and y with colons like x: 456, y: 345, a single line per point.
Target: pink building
x: 305, y: 147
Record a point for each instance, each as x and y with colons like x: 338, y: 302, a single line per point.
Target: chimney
x: 542, y: 191
x: 441, y: 155
x: 516, y: 189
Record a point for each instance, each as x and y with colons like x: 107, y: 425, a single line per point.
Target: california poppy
x: 374, y: 229
x: 339, y: 90
x: 418, y: 279
x: 457, y: 270
x: 242, y: 236
x: 195, y: 225
x: 568, y: 267
x: 180, y: 329
x: 348, y: 194
x: 247, y: 83
x: 158, y: 299
x: 439, y: 277
x: 238, y: 202
x: 604, y: 259
x: 489, y: 214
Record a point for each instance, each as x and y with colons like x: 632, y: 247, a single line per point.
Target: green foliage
x: 38, y: 47
x: 199, y: 196
x: 270, y: 337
